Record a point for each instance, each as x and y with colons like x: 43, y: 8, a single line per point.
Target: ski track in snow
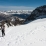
x: 32, y: 34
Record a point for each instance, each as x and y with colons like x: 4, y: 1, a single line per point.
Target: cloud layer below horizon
x: 16, y: 8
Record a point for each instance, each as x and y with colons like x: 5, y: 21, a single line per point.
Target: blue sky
x: 20, y: 4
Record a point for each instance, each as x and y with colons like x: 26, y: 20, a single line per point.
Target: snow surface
x: 31, y: 34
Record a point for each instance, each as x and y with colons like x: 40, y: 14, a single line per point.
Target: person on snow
x: 3, y: 30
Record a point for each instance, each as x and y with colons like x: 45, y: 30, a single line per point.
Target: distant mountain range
x: 13, y: 13
x: 16, y: 12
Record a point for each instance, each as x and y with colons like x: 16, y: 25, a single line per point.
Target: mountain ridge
x: 38, y: 13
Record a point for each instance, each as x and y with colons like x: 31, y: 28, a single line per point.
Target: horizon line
x: 16, y: 8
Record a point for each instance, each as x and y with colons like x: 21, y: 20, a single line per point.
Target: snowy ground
x: 31, y: 34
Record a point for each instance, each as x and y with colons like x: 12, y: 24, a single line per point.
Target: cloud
x: 16, y: 8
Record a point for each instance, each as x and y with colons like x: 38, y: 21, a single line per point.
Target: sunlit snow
x: 31, y: 34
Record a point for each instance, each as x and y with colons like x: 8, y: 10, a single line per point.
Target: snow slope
x: 31, y: 34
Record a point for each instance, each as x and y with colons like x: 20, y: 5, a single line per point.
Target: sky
x: 21, y: 4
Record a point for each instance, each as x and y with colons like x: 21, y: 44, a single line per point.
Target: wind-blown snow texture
x: 31, y: 34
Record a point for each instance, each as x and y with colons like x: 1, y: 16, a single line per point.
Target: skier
x: 3, y: 30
